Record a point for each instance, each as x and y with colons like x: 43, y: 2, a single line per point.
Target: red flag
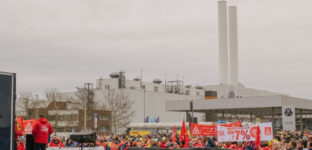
x: 174, y: 135
x: 186, y: 140
x: 183, y: 135
x: 257, y: 142
x: 19, y: 124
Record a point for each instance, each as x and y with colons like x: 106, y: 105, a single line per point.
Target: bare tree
x: 82, y: 96
x: 23, y: 104
x: 54, y: 96
x: 120, y: 107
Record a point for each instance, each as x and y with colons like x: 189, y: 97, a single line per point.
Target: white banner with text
x: 239, y: 134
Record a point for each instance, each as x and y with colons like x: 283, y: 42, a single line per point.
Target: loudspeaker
x: 83, y: 137
x: 30, y: 142
x: 7, y: 110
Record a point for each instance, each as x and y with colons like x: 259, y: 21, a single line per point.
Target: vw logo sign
x: 231, y: 94
x: 288, y: 112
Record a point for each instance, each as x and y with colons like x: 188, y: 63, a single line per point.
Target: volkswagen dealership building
x: 286, y: 113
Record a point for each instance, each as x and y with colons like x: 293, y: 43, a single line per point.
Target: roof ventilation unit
x: 114, y: 75
x: 157, y: 81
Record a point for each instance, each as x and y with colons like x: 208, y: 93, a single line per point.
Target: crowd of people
x: 282, y: 141
x: 298, y: 140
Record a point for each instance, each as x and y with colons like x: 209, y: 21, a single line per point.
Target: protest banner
x: 210, y: 130
x: 75, y: 148
x: 240, y: 134
x: 29, y: 125
x: 141, y: 133
x: 200, y: 129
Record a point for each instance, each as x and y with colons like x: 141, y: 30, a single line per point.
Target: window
x: 104, y: 118
x: 143, y: 86
x: 89, y: 118
x: 155, y: 88
x: 29, y: 113
x: 187, y: 92
x: 104, y: 129
x: 106, y: 87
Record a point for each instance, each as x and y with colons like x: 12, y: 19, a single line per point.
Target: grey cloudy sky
x: 62, y: 44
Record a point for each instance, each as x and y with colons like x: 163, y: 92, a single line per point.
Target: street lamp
x: 144, y: 104
x: 85, y: 114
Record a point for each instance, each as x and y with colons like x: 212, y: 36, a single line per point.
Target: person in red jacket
x: 16, y: 135
x: 41, y: 131
x: 21, y: 144
x: 56, y: 142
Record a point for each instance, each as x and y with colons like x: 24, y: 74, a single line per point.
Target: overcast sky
x: 63, y: 44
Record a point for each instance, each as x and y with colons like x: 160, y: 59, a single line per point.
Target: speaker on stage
x: 7, y: 110
x: 83, y: 137
x: 30, y: 142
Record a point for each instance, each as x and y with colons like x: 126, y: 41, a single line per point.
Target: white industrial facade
x: 157, y: 95
x: 170, y: 100
x: 287, y: 113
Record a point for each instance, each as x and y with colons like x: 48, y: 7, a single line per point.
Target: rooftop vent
x: 199, y: 87
x: 188, y: 86
x: 136, y: 79
x: 157, y: 81
x: 114, y: 75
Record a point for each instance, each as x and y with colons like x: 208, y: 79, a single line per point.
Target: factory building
x: 235, y: 102
x: 229, y: 100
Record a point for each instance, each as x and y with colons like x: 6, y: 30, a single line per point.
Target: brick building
x: 69, y: 117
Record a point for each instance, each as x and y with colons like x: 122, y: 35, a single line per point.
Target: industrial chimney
x: 223, y: 42
x: 233, y: 45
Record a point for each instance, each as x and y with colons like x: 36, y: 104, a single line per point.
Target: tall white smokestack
x: 223, y: 42
x: 233, y: 45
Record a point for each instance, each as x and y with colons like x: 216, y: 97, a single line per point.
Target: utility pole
x: 85, y: 114
x: 165, y: 83
x: 191, y: 109
x: 144, y: 105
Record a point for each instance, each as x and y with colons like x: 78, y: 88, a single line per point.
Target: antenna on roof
x: 182, y: 84
x: 141, y: 76
x: 165, y: 82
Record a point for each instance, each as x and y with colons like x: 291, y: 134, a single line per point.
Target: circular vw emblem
x: 231, y: 94
x: 288, y: 112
